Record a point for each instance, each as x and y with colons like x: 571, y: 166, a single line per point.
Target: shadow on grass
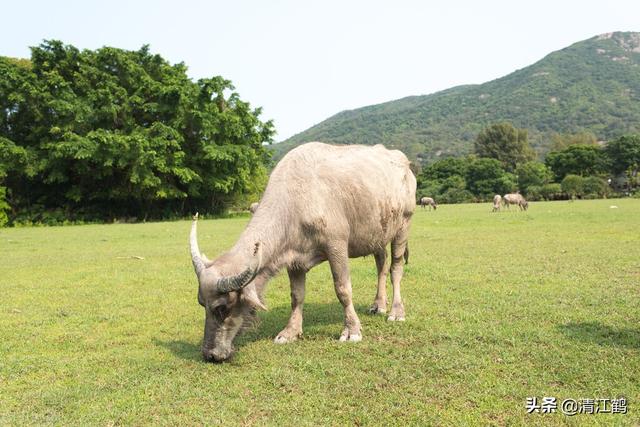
x: 316, y: 316
x: 182, y: 349
x: 602, y: 334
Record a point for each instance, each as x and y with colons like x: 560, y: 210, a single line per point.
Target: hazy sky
x: 304, y: 61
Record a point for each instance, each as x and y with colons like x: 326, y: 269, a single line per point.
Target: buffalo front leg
x: 398, y: 246
x: 380, y: 303
x: 293, y: 330
x: 339, y: 263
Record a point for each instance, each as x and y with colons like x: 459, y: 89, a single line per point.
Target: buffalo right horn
x: 239, y: 281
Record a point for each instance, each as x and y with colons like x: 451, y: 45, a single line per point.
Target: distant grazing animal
x: 496, y: 203
x: 515, y: 199
x: 254, y: 207
x: 428, y: 201
x: 322, y: 203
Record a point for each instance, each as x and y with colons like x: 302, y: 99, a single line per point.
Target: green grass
x: 500, y: 307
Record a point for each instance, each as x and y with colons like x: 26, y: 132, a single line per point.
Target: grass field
x: 500, y: 307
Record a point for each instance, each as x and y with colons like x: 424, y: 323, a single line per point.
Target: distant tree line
x: 504, y: 162
x: 109, y: 133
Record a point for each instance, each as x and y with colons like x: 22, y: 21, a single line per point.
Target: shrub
x: 551, y: 191
x: 595, y: 187
x: 534, y: 192
x: 573, y: 185
x: 456, y: 195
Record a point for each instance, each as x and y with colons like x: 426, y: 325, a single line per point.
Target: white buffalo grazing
x: 428, y: 201
x: 322, y: 203
x: 254, y: 207
x: 515, y: 199
x: 497, y: 200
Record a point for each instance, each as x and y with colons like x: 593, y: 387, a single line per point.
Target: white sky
x: 303, y: 61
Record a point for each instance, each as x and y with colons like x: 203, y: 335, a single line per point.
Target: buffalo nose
x: 208, y: 357
x: 216, y: 355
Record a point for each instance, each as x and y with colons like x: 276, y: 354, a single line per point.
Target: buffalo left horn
x: 198, y: 264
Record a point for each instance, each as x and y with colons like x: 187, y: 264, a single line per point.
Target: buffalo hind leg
x: 398, y: 246
x: 382, y: 264
x: 293, y: 330
x: 339, y: 263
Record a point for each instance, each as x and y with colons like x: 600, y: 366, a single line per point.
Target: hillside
x: 591, y: 85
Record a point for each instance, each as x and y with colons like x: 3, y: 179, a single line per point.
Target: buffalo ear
x: 251, y: 296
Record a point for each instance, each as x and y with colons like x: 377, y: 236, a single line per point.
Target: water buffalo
x: 515, y: 199
x: 428, y: 201
x: 496, y: 203
x: 322, y: 203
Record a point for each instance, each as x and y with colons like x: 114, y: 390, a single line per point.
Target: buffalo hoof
x: 397, y: 313
x: 377, y: 308
x: 350, y: 337
x: 286, y: 337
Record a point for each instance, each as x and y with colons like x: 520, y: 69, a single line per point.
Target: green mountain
x: 592, y: 85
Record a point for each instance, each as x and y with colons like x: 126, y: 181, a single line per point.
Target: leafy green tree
x: 573, y: 185
x: 624, y: 155
x: 505, y: 143
x: 110, y: 132
x: 454, y: 190
x: 429, y: 189
x: 445, y: 176
x: 532, y: 173
x: 445, y: 168
x: 577, y: 159
x: 486, y: 177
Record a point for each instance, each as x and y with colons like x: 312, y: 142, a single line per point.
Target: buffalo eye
x: 220, y: 312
